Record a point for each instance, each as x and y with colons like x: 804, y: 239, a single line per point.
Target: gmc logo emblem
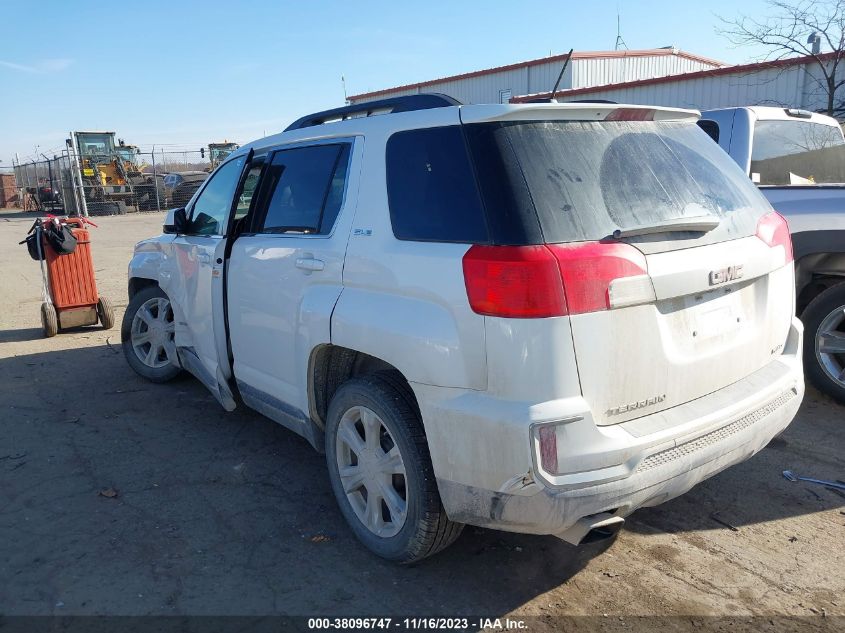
x: 724, y: 275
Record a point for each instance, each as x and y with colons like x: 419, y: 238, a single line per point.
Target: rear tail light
x: 592, y: 270
x: 513, y: 281
x: 774, y: 231
x: 555, y: 279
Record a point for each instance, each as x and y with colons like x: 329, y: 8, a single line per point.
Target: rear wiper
x: 699, y: 223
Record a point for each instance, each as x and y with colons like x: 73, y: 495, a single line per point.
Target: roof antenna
x: 619, y: 41
x: 343, y: 82
x: 560, y: 76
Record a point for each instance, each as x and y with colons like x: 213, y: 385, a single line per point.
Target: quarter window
x: 211, y: 208
x: 431, y: 187
x: 307, y: 186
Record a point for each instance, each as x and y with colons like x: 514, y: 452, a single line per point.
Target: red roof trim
x: 725, y: 70
x: 652, y: 52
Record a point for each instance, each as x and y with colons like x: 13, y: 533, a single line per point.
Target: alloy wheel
x: 830, y: 345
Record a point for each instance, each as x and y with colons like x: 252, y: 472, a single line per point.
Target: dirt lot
x: 222, y: 513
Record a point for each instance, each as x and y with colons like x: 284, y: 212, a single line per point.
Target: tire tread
x: 105, y: 312
x: 439, y: 531
x: 49, y: 320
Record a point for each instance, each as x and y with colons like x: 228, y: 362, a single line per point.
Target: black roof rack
x: 395, y: 104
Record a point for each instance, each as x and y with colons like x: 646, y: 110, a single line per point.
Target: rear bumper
x: 635, y: 464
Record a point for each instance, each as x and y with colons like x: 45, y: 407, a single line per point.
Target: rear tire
x: 152, y: 357
x: 105, y: 312
x: 374, y: 433
x: 49, y: 320
x: 824, y: 342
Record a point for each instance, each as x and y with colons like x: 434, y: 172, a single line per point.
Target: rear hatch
x: 676, y: 271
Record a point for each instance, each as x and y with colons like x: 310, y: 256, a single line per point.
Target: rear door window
x: 305, y: 188
x: 431, y: 187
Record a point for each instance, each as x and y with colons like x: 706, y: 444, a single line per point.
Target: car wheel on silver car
x: 147, y: 335
x: 381, y: 472
x: 824, y: 341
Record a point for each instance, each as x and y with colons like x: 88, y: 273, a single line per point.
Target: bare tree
x: 801, y: 27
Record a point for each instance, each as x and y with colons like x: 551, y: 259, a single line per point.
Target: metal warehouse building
x: 663, y: 76
x: 585, y: 70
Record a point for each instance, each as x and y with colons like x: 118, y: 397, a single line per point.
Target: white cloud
x: 42, y: 66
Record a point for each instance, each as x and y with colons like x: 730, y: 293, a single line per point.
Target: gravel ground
x: 220, y: 513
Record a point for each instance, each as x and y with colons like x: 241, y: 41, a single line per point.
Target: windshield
x: 95, y: 145
x: 588, y: 179
x: 126, y: 154
x: 797, y: 153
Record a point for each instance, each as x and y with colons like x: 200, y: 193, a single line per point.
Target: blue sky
x: 183, y: 73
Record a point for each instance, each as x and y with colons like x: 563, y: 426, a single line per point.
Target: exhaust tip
x: 596, y: 535
x: 593, y: 528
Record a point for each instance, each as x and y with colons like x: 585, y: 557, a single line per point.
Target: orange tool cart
x: 69, y: 290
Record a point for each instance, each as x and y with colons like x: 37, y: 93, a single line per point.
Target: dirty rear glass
x: 797, y: 153
x: 587, y: 179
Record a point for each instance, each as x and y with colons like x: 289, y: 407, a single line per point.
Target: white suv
x: 534, y: 318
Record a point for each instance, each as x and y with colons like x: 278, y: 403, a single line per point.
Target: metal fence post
x: 67, y: 182
x: 155, y: 179
x: 77, y: 175
x: 27, y: 196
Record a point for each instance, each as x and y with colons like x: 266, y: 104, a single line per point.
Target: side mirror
x: 176, y: 221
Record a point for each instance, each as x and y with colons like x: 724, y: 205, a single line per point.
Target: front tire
x: 147, y: 335
x: 824, y: 342
x: 381, y: 473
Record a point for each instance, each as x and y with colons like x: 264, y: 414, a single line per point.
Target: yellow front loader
x: 112, y: 177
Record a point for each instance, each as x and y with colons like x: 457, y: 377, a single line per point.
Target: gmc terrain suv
x: 535, y: 318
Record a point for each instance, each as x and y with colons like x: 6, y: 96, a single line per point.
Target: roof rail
x: 550, y: 100
x: 408, y: 103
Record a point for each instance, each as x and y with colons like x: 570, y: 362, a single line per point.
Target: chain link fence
x: 45, y: 185
x: 96, y: 176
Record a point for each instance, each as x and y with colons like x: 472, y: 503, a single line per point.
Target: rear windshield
x: 585, y: 180
x: 797, y: 153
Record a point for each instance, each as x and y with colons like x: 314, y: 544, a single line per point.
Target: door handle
x: 310, y: 264
x: 203, y: 258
